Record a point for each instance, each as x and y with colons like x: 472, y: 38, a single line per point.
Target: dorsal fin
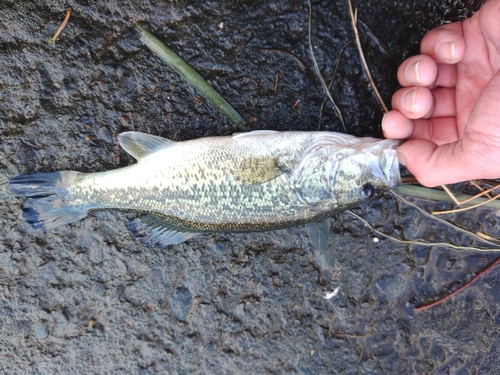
x: 140, y: 145
x: 254, y: 133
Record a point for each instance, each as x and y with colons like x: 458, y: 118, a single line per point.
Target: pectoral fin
x: 156, y: 232
x: 319, y: 236
x: 257, y: 170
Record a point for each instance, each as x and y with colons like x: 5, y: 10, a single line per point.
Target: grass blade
x: 441, y: 196
x: 190, y: 75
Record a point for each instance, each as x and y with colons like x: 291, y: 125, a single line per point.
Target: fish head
x: 364, y: 171
x: 336, y: 175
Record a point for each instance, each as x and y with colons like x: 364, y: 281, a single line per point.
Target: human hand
x: 449, y: 106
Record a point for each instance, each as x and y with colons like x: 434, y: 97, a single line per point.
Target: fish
x: 255, y: 181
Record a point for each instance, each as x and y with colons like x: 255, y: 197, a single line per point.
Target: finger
x: 446, y: 76
x: 437, y: 130
x: 444, y: 102
x: 396, y: 126
x: 418, y: 70
x: 413, y: 102
x: 434, y: 165
x: 444, y: 44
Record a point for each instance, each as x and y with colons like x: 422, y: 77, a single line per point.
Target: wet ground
x: 89, y: 298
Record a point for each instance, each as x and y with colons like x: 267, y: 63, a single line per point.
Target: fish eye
x: 367, y: 191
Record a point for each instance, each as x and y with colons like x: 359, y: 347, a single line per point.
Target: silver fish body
x: 262, y: 180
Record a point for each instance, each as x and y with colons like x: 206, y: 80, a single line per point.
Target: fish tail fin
x: 47, y: 207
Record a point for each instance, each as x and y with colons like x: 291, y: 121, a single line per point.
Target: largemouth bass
x: 257, y: 181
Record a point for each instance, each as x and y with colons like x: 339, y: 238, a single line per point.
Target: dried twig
x: 318, y: 73
x: 448, y: 296
x: 276, y: 83
x: 354, y: 21
x: 60, y: 28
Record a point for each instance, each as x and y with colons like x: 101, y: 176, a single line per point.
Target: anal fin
x: 154, y: 231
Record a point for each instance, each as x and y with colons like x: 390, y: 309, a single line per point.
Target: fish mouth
x: 390, y: 167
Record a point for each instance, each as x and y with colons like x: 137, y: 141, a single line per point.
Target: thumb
x: 434, y: 165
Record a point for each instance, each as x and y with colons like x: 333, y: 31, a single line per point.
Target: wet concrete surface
x: 89, y: 298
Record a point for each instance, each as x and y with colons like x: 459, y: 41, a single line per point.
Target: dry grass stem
x: 354, y: 21
x: 485, y: 192
x: 61, y: 27
x: 479, y: 187
x: 332, y: 80
x: 423, y: 243
x: 318, y: 73
x: 287, y: 54
x: 452, y: 196
x: 485, y: 236
x: 276, y: 83
x: 447, y: 223
x: 465, y: 208
x: 473, y: 183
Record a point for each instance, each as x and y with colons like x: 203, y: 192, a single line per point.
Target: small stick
x: 60, y: 28
x: 448, y: 296
x: 287, y: 54
x: 354, y: 21
x: 295, y: 104
x: 276, y: 83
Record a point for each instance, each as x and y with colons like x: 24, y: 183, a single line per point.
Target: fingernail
x: 409, y: 100
x: 412, y: 73
x: 446, y: 51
